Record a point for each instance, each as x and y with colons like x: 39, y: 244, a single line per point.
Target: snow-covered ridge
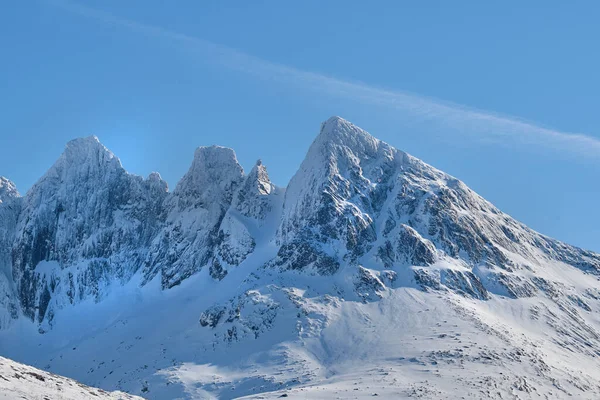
x: 18, y: 381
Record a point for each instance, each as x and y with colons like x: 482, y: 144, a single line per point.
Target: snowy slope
x: 371, y: 273
x: 18, y: 381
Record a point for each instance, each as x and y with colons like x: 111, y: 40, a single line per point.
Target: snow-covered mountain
x: 372, y: 272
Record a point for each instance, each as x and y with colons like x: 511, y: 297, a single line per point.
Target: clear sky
x: 503, y: 95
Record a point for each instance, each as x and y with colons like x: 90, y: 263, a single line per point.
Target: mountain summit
x: 371, y: 268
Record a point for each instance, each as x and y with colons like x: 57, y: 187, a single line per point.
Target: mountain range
x: 371, y: 273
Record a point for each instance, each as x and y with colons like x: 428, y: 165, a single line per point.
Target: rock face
x: 356, y: 202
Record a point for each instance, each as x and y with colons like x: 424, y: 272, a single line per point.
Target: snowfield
x: 371, y: 274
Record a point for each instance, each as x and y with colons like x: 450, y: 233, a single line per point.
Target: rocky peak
x: 156, y: 182
x: 85, y: 147
x: 90, y: 153
x: 7, y: 189
x: 338, y: 129
x: 213, y: 175
x: 344, y: 155
x: 84, y: 165
x: 154, y: 177
x: 342, y: 139
x: 258, y: 180
x: 328, y: 207
x: 252, y: 199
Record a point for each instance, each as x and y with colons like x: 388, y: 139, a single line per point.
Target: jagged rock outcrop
x: 245, y: 221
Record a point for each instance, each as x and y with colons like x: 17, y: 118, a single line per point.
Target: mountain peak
x: 259, y: 179
x: 154, y: 176
x: 84, y: 161
x: 342, y: 133
x: 86, y: 144
x: 214, y: 154
x: 87, y: 150
x: 156, y: 181
x: 7, y: 189
x: 87, y: 140
x: 334, y: 124
x: 212, y: 166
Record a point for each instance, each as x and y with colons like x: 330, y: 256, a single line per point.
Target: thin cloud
x: 484, y: 125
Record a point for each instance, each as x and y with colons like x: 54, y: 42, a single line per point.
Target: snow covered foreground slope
x: 371, y: 273
x: 18, y: 381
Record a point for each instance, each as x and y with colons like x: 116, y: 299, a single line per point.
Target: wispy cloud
x: 484, y: 125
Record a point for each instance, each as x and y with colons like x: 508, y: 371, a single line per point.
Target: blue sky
x: 503, y: 96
